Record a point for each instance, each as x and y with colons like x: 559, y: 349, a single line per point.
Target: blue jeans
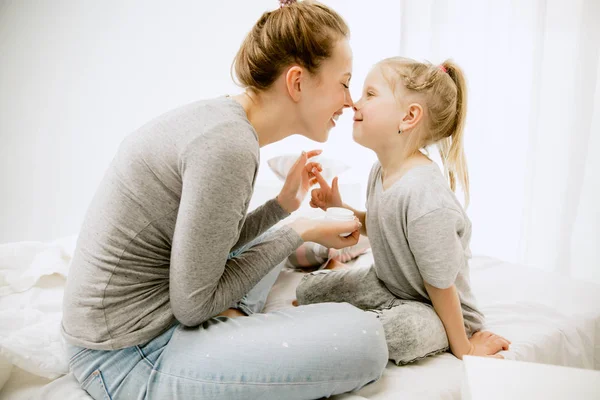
x: 306, y: 352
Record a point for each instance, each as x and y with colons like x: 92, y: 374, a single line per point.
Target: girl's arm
x: 447, y: 305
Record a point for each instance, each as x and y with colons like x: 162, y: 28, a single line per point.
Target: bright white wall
x: 77, y: 76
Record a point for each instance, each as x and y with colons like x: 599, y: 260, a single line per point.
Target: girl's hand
x: 325, y: 196
x: 299, y: 180
x: 327, y: 233
x: 487, y: 344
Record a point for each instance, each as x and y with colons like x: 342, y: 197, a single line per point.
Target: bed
x: 548, y: 318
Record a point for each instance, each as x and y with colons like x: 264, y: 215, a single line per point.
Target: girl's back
x: 419, y: 231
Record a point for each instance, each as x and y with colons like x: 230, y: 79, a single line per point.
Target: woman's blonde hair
x: 303, y: 33
x: 442, y: 92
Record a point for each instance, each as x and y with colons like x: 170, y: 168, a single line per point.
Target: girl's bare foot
x: 334, y: 264
x: 232, y: 313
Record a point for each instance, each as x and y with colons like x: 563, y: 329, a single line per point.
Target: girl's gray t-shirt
x: 155, y: 241
x: 419, y: 233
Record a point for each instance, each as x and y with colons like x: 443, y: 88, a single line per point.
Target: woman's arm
x: 260, y: 220
x: 216, y: 185
x: 329, y: 196
x: 296, y: 186
x: 361, y: 215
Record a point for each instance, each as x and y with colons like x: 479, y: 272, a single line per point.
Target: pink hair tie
x: 443, y: 68
x: 283, y: 3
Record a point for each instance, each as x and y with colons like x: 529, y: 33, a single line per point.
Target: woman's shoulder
x: 214, y: 124
x: 192, y: 132
x: 222, y: 116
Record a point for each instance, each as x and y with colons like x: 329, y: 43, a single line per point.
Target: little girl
x: 419, y: 284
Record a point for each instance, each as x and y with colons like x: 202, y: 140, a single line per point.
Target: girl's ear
x: 413, y: 116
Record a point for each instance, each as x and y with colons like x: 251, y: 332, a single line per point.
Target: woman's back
x: 118, y: 289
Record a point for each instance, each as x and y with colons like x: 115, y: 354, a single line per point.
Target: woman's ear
x: 293, y: 81
x: 413, y: 116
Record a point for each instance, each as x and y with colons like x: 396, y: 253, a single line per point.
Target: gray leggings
x: 413, y: 329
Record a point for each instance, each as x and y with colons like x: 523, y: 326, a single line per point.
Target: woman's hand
x: 325, y: 196
x: 327, y: 233
x: 299, y: 180
x: 487, y: 344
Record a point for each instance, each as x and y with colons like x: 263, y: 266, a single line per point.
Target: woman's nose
x: 348, y: 100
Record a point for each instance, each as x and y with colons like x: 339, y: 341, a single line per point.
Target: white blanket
x: 548, y: 318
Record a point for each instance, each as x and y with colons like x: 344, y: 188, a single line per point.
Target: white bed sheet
x: 548, y: 318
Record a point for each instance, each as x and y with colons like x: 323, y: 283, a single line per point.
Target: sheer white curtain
x: 533, y: 130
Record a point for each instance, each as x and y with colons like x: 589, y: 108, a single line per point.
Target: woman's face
x: 326, y: 94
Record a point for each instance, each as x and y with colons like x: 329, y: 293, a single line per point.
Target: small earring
x: 399, y: 132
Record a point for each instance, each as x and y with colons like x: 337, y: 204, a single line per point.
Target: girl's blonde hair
x: 303, y: 33
x: 442, y: 92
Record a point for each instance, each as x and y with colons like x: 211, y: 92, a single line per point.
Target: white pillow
x: 331, y: 168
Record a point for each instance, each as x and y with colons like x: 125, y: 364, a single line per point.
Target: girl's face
x: 377, y: 115
x: 327, y: 94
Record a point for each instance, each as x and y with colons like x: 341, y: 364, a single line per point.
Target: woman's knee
x: 373, y: 334
x: 362, y: 341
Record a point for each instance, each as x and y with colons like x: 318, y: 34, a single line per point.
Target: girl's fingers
x: 501, y: 340
x: 322, y: 182
x: 504, y: 343
x: 334, y: 184
x: 315, y: 202
x: 496, y: 345
x: 315, y: 194
x: 313, y: 165
x: 505, y: 339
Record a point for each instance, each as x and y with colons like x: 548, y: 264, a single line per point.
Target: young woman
x: 167, y: 255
